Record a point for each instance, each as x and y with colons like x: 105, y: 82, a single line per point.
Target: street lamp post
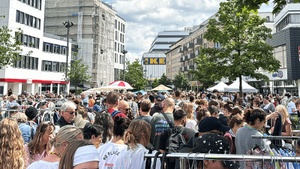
x: 68, y: 25
x: 124, y: 53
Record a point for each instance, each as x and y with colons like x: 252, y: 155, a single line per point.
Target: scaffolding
x: 94, y: 33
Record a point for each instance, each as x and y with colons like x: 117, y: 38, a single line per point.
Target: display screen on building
x: 154, y: 61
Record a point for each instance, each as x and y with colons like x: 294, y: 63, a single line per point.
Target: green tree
x: 78, y: 73
x: 9, y: 47
x: 180, y: 81
x: 203, y: 71
x: 155, y: 83
x: 134, y: 75
x: 278, y: 4
x: 242, y: 36
x: 164, y: 80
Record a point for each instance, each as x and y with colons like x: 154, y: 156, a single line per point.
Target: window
x: 47, y: 66
x: 63, y: 50
x: 36, y: 63
x: 46, y: 47
x: 120, y: 59
x: 56, y: 49
x: 25, y: 40
x: 55, y: 66
x: 34, y: 22
x: 18, y: 16
x: 37, y: 43
x: 21, y: 18
x: 29, y: 40
x: 24, y: 62
x: 62, y: 67
x: 38, y: 23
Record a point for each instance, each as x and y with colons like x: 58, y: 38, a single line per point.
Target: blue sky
x: 146, y: 18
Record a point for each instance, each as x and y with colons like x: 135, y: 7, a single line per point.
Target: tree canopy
x: 256, y: 4
x: 242, y: 50
x: 134, y: 75
x: 78, y: 73
x: 10, y: 49
x: 155, y: 83
x: 164, y: 80
x: 202, y: 73
x: 180, y: 81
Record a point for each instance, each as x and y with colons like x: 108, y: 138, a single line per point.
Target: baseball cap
x: 160, y: 97
x: 211, y: 123
x: 214, y: 144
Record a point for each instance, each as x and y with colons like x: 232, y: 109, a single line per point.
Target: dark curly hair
x: 105, y: 120
x: 121, y: 124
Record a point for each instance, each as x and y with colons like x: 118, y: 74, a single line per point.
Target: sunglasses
x: 71, y: 112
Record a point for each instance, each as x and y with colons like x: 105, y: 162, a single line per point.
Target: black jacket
x: 62, y: 122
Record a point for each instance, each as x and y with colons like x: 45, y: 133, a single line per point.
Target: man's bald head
x: 169, y: 103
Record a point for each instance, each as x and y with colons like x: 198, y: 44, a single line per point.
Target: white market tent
x: 220, y: 87
x: 246, y: 88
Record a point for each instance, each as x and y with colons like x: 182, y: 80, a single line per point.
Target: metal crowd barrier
x: 183, y: 157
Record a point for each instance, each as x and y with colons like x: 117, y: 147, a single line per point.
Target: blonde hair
x: 135, y: 131
x: 283, y: 111
x: 20, y: 117
x: 188, y: 108
x: 67, y: 134
x: 67, y: 158
x: 33, y: 145
x: 12, y: 151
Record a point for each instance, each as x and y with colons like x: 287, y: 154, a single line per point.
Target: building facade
x: 94, y: 31
x: 154, y: 61
x: 119, y: 47
x: 286, y: 43
x: 43, y: 57
x: 181, y: 56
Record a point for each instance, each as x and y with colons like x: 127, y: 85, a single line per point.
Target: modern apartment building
x: 94, y: 31
x: 44, y: 68
x: 180, y: 57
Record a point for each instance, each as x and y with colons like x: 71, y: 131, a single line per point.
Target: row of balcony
x: 191, y: 45
x: 189, y: 56
x: 187, y: 68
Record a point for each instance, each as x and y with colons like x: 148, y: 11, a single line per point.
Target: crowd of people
x: 114, y: 130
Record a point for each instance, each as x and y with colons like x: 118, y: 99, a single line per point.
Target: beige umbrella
x: 161, y: 87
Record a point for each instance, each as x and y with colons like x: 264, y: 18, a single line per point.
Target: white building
x: 94, y: 31
x: 119, y: 47
x: 44, y: 68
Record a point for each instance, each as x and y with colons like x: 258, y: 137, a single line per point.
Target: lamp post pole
x: 68, y: 25
x: 124, y: 53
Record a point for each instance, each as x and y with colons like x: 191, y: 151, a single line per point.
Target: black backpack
x: 175, y: 140
x: 175, y: 137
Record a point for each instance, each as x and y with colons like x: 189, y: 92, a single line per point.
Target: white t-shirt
x: 191, y: 124
x: 41, y: 164
x: 134, y: 159
x: 109, y: 153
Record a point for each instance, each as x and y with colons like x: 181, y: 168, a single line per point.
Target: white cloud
x: 146, y: 18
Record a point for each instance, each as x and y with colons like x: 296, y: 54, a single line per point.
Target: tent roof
x: 246, y: 88
x: 220, y: 87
